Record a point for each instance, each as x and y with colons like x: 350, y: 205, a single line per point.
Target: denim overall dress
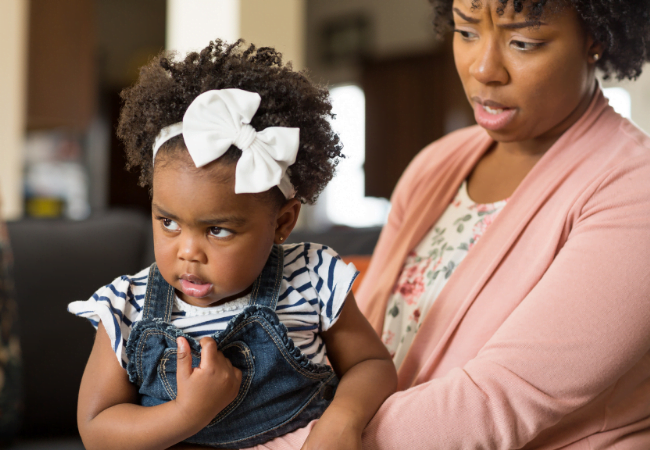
x: 281, y: 389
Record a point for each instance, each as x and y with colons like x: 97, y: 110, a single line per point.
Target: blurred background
x: 393, y: 87
x: 77, y: 218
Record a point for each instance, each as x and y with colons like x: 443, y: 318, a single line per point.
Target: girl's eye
x: 526, y: 46
x: 219, y: 232
x: 169, y: 224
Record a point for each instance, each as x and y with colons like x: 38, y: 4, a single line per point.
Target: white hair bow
x: 217, y: 119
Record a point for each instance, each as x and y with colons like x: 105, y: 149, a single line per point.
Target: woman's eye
x: 169, y: 224
x: 526, y: 46
x: 219, y: 232
x: 466, y: 35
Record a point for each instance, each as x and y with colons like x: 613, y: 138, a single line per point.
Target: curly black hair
x: 621, y: 26
x: 166, y: 87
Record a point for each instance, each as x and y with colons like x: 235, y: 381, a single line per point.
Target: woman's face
x: 525, y: 82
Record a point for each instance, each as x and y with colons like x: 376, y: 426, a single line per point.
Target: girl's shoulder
x: 123, y: 298
x: 315, y: 278
x: 319, y: 261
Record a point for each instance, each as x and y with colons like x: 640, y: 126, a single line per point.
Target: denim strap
x: 267, y: 286
x: 159, y: 299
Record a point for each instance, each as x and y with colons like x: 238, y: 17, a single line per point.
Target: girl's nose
x: 191, y: 250
x: 487, y: 67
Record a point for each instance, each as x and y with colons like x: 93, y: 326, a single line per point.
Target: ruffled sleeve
x: 332, y: 280
x: 117, y: 305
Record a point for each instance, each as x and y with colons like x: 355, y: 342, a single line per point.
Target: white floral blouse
x: 428, y: 267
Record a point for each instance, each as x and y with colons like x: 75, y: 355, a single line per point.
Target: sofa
x: 58, y: 261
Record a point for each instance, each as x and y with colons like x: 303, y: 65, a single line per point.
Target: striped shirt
x: 314, y: 287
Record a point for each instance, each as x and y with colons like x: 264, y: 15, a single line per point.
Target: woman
x: 533, y: 331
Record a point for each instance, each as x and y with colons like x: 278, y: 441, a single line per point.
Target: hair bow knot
x: 217, y: 119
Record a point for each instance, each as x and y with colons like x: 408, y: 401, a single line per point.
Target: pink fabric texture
x: 541, y: 337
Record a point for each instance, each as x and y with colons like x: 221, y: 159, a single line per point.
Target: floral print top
x: 428, y: 267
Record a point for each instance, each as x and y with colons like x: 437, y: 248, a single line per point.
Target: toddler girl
x: 223, y: 340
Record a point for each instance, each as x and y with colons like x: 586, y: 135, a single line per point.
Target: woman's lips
x: 491, y: 115
x: 195, y: 287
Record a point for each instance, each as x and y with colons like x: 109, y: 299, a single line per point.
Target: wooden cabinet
x: 62, y: 80
x: 410, y: 102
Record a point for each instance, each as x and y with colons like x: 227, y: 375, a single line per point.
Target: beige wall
x: 397, y: 28
x: 13, y: 54
x: 640, y: 94
x: 265, y: 23
x: 276, y: 23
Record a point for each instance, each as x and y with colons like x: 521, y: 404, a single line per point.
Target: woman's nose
x: 191, y: 250
x: 487, y: 67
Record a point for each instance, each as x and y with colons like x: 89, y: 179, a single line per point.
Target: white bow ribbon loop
x: 217, y: 119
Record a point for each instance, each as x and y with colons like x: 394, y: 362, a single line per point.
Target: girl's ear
x: 286, y: 220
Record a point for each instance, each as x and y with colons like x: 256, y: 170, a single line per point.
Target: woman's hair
x: 166, y: 87
x: 621, y: 26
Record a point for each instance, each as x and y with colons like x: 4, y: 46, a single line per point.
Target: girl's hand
x: 331, y: 433
x: 204, y: 391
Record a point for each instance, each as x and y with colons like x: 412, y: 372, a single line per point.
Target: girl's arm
x: 367, y: 377
x: 109, y: 417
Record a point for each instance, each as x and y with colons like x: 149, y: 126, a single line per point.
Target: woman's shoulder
x: 450, y: 142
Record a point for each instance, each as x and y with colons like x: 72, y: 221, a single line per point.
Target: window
x: 344, y: 198
x: 620, y: 100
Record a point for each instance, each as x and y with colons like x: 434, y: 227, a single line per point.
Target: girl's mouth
x: 194, y: 287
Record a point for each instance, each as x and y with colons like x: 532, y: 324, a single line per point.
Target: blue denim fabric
x: 281, y: 389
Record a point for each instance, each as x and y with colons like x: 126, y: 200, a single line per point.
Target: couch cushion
x: 56, y: 262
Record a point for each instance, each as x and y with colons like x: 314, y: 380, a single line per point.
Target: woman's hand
x: 204, y: 391
x: 334, y: 431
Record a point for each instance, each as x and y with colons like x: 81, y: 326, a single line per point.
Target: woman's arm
x: 367, y: 377
x: 109, y: 417
x: 565, y: 347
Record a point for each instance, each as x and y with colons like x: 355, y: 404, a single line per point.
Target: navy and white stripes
x: 314, y: 287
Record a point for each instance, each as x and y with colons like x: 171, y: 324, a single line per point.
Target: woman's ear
x: 594, y: 51
x: 286, y: 220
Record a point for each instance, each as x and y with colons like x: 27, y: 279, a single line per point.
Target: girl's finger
x: 209, y: 352
x: 183, y: 359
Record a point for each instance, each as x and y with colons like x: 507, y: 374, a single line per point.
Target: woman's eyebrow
x: 517, y: 25
x: 467, y: 18
x: 507, y: 26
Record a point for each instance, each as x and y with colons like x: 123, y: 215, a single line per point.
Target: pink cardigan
x: 541, y: 338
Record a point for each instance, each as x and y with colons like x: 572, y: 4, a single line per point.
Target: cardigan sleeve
x: 400, y: 198
x: 579, y: 330
x: 583, y: 326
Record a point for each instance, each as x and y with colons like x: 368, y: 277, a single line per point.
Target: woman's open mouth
x: 491, y: 115
x: 194, y: 287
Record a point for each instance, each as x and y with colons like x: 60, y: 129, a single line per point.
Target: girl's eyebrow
x: 158, y: 210
x: 233, y: 220
x: 507, y: 26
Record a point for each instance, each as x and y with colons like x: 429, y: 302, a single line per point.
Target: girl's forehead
x: 171, y: 164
